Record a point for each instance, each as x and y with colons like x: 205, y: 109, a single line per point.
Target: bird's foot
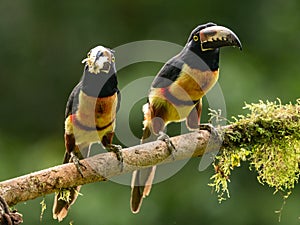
x: 213, y: 131
x: 74, y: 158
x: 164, y: 137
x: 117, y: 150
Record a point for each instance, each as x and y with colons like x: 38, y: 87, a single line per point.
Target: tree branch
x: 102, y: 167
x: 268, y: 138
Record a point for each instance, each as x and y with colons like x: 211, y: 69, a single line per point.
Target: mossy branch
x: 268, y: 138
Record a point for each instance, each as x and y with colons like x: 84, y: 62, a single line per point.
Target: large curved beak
x: 218, y: 36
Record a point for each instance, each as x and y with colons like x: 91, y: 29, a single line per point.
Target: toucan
x: 176, y: 93
x: 90, y: 117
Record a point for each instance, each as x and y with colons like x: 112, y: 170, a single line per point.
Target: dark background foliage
x: 42, y: 45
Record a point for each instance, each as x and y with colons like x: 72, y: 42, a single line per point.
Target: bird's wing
x: 168, y: 73
x: 72, y: 102
x: 119, y: 100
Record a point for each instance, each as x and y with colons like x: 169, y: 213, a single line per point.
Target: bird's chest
x: 175, y: 102
x: 96, y: 111
x: 193, y: 84
x: 93, y: 119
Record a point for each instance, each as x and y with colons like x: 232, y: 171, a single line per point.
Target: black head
x: 211, y: 36
x: 205, y: 41
x: 197, y: 30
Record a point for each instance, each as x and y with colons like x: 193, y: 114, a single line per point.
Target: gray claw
x: 213, y: 131
x: 77, y: 163
x: 117, y: 150
x: 164, y: 137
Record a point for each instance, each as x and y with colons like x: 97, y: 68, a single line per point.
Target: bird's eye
x: 195, y: 38
x: 89, y: 54
x: 113, y: 59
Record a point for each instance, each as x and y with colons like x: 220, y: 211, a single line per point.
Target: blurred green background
x: 42, y: 45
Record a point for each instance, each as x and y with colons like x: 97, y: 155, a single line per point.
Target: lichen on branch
x: 268, y: 138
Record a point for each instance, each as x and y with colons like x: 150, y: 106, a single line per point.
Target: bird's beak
x: 98, y: 55
x: 218, y: 36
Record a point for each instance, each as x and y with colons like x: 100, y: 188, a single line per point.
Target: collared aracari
x: 90, y: 116
x: 176, y: 93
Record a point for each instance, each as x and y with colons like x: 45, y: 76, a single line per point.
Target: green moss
x: 65, y: 195
x: 268, y: 138
x: 44, y: 206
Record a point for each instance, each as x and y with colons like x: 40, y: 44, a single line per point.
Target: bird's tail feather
x: 142, y: 180
x: 141, y: 186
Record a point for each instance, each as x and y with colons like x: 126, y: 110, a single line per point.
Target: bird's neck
x: 99, y: 85
x: 197, y: 59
